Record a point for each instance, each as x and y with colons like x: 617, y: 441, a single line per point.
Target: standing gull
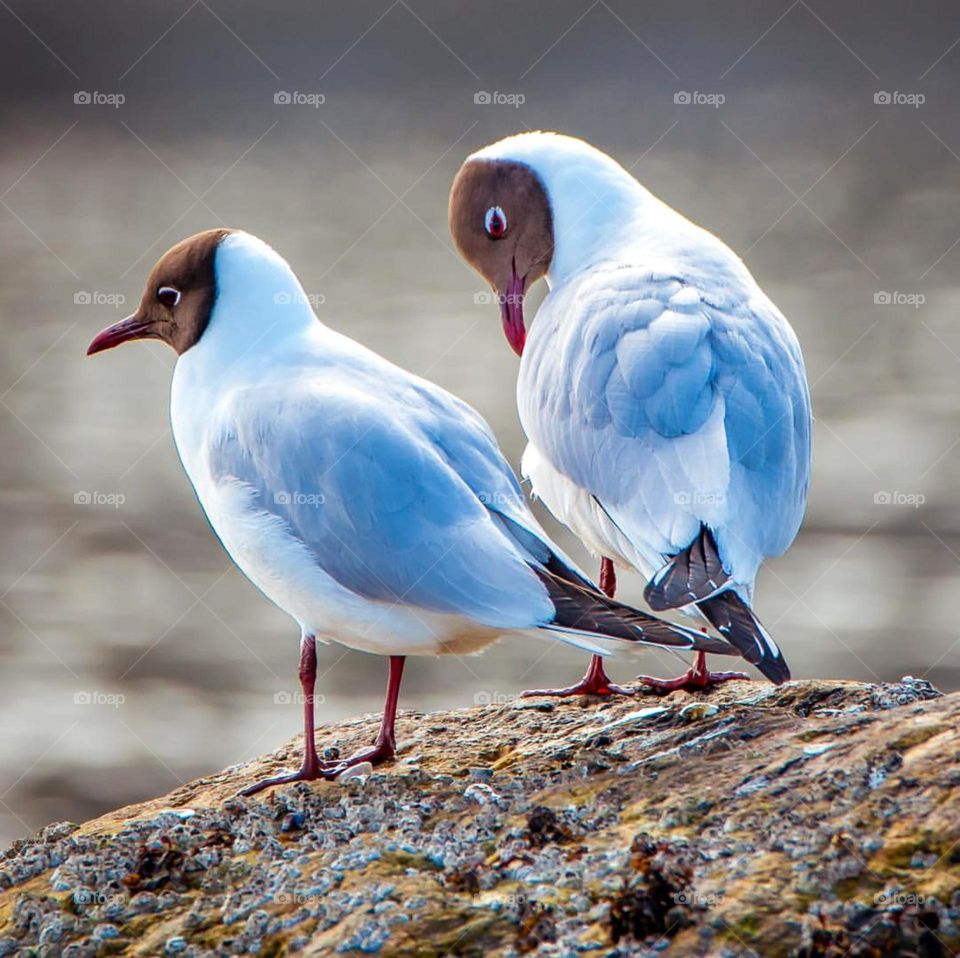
x: 370, y: 505
x: 663, y: 394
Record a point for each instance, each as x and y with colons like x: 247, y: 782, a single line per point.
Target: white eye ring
x: 168, y: 295
x: 495, y: 222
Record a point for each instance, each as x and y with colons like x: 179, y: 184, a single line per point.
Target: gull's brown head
x: 177, y: 300
x: 502, y: 224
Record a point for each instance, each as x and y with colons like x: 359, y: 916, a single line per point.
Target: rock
x: 359, y: 772
x: 480, y: 793
x: 696, y: 711
x: 815, y: 819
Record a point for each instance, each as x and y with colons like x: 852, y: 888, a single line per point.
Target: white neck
x: 260, y: 309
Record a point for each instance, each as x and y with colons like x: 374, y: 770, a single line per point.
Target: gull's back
x: 664, y: 382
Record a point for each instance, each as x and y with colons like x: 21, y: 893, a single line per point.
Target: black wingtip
x: 735, y: 621
x: 693, y: 574
x: 585, y: 610
x: 776, y: 675
x: 656, y: 598
x: 775, y: 669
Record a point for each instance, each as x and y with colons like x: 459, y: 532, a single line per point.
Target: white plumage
x: 660, y: 389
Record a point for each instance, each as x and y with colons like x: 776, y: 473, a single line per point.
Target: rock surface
x: 818, y: 819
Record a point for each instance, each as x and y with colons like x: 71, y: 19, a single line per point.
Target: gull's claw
x: 595, y: 682
x: 698, y: 678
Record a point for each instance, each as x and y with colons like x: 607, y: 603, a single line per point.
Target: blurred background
x: 820, y: 141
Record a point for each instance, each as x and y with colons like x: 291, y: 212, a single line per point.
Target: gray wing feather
x: 676, y: 406
x: 375, y: 501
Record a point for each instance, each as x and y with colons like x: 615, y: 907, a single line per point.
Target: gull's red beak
x: 133, y: 327
x: 511, y: 314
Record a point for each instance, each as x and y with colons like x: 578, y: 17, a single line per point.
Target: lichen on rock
x: 817, y: 819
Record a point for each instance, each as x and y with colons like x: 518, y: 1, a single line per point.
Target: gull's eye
x: 168, y: 295
x: 495, y: 223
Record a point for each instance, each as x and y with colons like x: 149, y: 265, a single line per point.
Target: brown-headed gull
x: 369, y: 504
x: 663, y: 394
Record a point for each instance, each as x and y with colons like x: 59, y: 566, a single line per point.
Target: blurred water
x: 833, y: 199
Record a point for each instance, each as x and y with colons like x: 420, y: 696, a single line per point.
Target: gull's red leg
x: 698, y: 678
x: 595, y: 682
x: 312, y: 768
x: 385, y: 746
